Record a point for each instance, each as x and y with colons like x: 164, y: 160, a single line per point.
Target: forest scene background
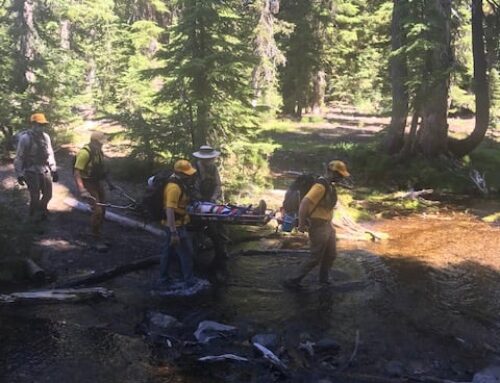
x: 237, y: 74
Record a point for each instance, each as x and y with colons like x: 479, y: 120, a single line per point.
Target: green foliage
x: 306, y: 50
x: 181, y: 73
x: 359, y: 54
x: 207, y: 62
x: 462, y: 102
x: 246, y: 167
x: 486, y: 159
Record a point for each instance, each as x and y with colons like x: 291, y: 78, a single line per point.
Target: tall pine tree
x: 208, y: 63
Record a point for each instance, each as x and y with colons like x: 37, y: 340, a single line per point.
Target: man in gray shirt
x: 208, y: 188
x: 35, y: 165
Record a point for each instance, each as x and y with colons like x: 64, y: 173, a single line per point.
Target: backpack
x: 152, y: 200
x: 97, y: 171
x: 301, y: 186
x: 41, y: 155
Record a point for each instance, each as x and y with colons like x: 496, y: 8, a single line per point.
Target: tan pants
x: 96, y: 190
x: 323, y: 250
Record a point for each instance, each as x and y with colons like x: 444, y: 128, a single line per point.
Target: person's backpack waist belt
x: 315, y: 222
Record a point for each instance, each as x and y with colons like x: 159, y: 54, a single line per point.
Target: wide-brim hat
x: 206, y: 151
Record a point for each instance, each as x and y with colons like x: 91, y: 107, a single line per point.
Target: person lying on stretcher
x: 198, y: 207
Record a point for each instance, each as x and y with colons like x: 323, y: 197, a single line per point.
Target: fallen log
x: 430, y: 379
x: 111, y: 273
x: 354, y: 231
x: 251, y: 252
x: 34, y: 272
x: 367, y: 378
x: 222, y: 358
x: 56, y: 295
x: 124, y: 221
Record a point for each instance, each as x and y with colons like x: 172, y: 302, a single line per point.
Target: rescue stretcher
x: 229, y: 214
x: 202, y: 212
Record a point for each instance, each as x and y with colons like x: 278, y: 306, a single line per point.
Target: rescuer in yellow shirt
x: 316, y: 213
x: 178, y: 239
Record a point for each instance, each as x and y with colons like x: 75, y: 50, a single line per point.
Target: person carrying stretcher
x: 208, y: 188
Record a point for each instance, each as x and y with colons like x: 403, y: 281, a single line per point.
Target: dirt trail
x: 62, y: 244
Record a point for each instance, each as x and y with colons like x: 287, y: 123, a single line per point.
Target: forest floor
x: 424, y: 303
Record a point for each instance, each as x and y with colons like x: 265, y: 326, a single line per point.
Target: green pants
x: 323, y: 250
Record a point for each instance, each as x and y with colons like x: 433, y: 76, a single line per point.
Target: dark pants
x: 96, y: 190
x: 39, y: 185
x: 184, y: 251
x: 216, y: 233
x: 323, y: 250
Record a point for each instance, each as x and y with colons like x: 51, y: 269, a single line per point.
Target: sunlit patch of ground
x: 56, y: 244
x: 442, y: 239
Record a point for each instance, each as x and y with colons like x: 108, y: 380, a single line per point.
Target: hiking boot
x: 291, y: 283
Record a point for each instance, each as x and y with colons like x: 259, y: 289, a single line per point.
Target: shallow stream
x: 427, y: 300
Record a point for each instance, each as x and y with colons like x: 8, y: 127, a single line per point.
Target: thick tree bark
x: 398, y: 70
x: 409, y: 145
x: 462, y: 147
x: 433, y: 133
x: 27, y: 36
x: 319, y: 88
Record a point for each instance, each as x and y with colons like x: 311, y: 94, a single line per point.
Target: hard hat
x: 185, y: 167
x: 338, y: 166
x: 39, y: 118
x: 98, y: 136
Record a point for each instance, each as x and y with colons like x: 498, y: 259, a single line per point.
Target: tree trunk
x: 289, y: 101
x: 202, y: 121
x: 433, y: 133
x: 318, y: 95
x: 65, y: 33
x: 269, y: 55
x: 409, y: 145
x: 27, y: 37
x: 462, y: 147
x: 398, y: 70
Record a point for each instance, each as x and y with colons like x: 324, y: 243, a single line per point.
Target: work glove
x: 55, y: 176
x: 21, y: 180
x: 85, y: 195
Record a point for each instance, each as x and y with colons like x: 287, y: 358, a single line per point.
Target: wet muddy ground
x: 424, y: 303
